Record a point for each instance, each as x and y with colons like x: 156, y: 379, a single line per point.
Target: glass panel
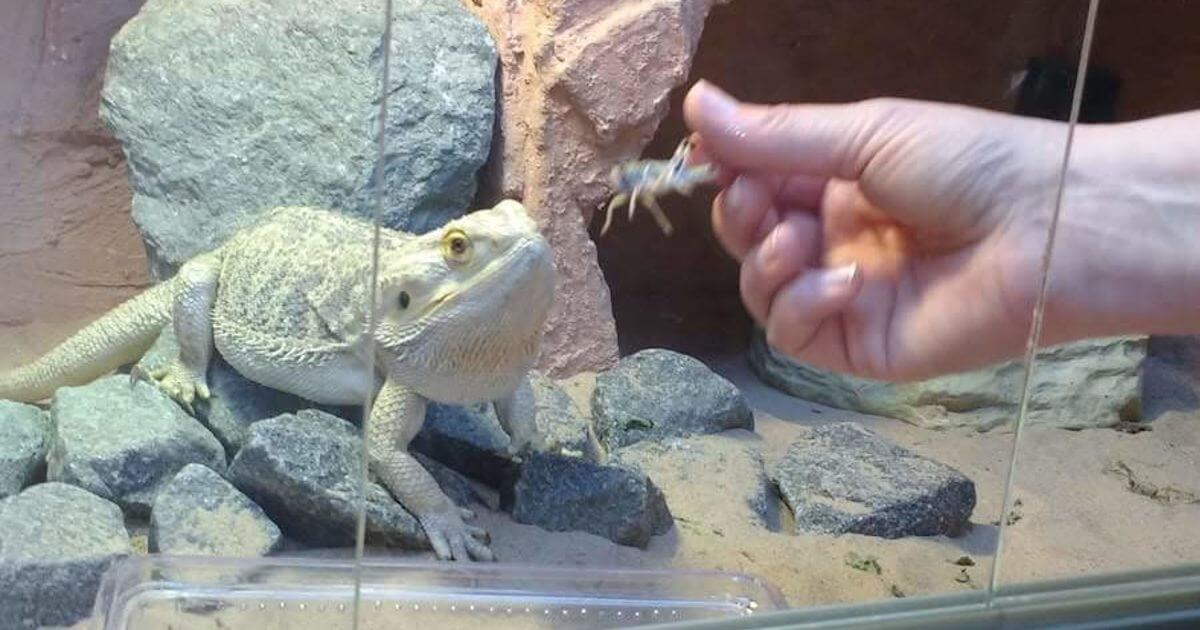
x: 1109, y: 482
x: 682, y: 293
x: 202, y: 401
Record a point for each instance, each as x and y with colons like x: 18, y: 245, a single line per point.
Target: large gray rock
x: 561, y: 493
x: 201, y: 514
x: 303, y: 470
x: 655, y: 394
x: 1092, y: 383
x: 226, y: 108
x: 842, y: 478
x: 24, y: 437
x: 237, y: 402
x: 124, y: 440
x: 56, y: 541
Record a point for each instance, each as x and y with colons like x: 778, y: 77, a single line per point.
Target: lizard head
x: 489, y: 272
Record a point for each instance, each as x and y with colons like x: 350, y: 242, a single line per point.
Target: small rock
x: 719, y: 478
x: 124, y: 441
x: 201, y: 514
x: 237, y: 402
x: 468, y: 440
x: 457, y: 487
x: 658, y: 393
x: 24, y: 437
x: 560, y: 493
x: 842, y: 478
x: 56, y: 541
x: 303, y: 470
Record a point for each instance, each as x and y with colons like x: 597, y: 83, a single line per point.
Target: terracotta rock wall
x: 68, y: 249
x: 585, y: 83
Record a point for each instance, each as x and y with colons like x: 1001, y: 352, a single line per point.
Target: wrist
x: 1127, y: 254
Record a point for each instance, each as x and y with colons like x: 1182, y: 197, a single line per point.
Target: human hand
x: 888, y: 239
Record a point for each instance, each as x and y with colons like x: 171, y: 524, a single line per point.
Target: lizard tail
x: 120, y: 337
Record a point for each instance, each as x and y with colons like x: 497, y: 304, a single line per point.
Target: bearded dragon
x: 458, y: 315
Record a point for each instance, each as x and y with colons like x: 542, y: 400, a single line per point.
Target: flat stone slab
x: 1087, y: 384
x: 842, y: 478
x: 201, y: 514
x: 124, y: 441
x: 56, y: 541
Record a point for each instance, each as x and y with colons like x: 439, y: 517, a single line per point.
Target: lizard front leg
x: 185, y: 377
x: 396, y: 418
x: 517, y: 415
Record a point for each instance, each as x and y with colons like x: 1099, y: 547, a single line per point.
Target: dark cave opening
x: 681, y: 292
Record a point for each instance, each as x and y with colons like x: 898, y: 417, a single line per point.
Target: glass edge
x: 1155, y: 598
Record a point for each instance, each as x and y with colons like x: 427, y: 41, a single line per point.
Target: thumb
x: 818, y: 140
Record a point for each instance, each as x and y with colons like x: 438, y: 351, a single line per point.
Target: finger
x: 743, y: 214
x: 478, y: 532
x: 480, y: 551
x: 789, y: 249
x: 457, y: 543
x: 802, y: 192
x: 820, y: 140
x: 800, y: 307
x: 724, y: 176
x: 440, y: 546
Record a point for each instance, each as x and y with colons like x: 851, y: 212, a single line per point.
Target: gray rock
x: 842, y: 478
x: 303, y: 470
x: 714, y: 479
x: 1093, y: 383
x: 24, y: 437
x: 560, y: 493
x: 124, y: 441
x: 467, y: 439
x: 566, y: 429
x: 201, y: 514
x: 456, y: 486
x: 226, y: 108
x: 655, y: 394
x: 1171, y: 376
x: 56, y: 541
x: 237, y: 402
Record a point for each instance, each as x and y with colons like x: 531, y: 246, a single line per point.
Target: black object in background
x: 1048, y: 85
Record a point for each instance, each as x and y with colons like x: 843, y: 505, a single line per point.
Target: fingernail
x: 713, y: 100
x: 838, y: 278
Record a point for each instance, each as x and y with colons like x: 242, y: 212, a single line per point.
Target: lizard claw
x: 452, y: 539
x: 181, y: 385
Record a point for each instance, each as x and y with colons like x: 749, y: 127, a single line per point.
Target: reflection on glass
x: 1108, y: 482
x: 321, y: 204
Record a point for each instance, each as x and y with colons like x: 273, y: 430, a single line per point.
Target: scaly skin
x: 459, y: 316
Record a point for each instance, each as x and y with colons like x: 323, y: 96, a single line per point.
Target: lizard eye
x: 456, y: 247
x: 404, y: 299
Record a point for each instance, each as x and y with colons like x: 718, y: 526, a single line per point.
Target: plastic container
x: 185, y: 593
